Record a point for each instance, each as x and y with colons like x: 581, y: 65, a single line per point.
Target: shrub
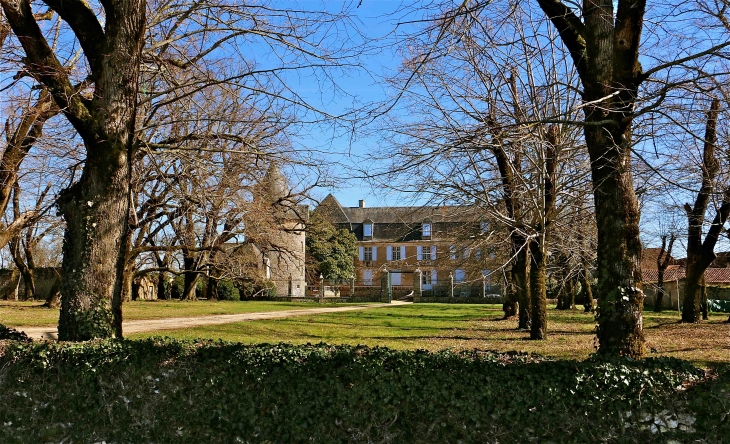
x: 162, y: 390
x: 227, y: 291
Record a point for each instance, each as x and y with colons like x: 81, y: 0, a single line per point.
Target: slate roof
x: 336, y: 213
x: 673, y: 273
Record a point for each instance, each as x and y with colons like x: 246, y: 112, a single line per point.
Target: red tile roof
x: 673, y: 273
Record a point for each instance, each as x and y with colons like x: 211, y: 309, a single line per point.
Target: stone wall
x: 44, y: 280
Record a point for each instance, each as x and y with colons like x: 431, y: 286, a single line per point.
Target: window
x: 396, y: 254
x: 460, y: 276
x: 427, y: 253
x: 452, y: 252
x: 483, y: 227
x: 426, y: 229
x: 426, y: 277
x: 367, y: 277
x: 396, y: 278
x: 367, y: 253
x: 367, y: 229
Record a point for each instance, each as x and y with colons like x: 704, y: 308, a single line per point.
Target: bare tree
x: 477, y: 134
x: 700, y: 254
x: 101, y: 102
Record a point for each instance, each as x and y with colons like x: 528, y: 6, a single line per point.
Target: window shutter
x: 389, y: 253
x: 419, y: 253
x: 452, y: 251
x: 403, y: 253
x: 433, y: 252
x: 434, y: 278
x: 375, y: 254
x: 361, y: 253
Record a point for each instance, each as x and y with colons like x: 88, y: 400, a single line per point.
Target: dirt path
x: 146, y: 325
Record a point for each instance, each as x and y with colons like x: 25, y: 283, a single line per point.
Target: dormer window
x: 367, y: 229
x: 426, y: 229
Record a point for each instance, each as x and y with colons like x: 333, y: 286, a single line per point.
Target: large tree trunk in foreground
x: 604, y: 45
x: 95, y: 210
x: 96, y: 207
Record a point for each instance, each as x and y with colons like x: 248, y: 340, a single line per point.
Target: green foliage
x: 330, y: 251
x: 227, y: 291
x: 161, y: 390
x: 94, y: 322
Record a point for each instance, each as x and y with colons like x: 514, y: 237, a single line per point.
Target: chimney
x: 361, y: 203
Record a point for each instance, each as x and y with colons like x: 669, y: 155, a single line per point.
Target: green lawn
x: 419, y: 326
x: 449, y: 326
x: 15, y: 314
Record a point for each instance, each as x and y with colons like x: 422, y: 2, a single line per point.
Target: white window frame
x: 427, y: 252
x: 367, y: 254
x: 426, y: 228
x: 427, y: 280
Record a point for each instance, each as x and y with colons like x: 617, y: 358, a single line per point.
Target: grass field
x: 450, y: 326
x: 15, y: 314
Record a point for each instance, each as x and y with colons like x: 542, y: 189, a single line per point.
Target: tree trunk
x: 520, y: 281
x: 659, y: 299
x: 96, y: 207
x: 604, y: 45
x: 662, y: 262
x: 587, y: 291
x: 94, y: 254
x: 162, y: 293
x: 53, y: 300
x: 700, y: 254
x: 191, y: 279
x: 538, y: 266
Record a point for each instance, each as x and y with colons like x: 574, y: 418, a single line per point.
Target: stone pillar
x: 384, y: 285
x: 484, y: 286
x: 321, y: 287
x: 417, y: 285
x: 290, y: 287
x: 352, y: 285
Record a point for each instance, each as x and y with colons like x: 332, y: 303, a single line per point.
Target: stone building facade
x: 446, y: 245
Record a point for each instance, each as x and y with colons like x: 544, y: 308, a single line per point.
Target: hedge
x: 164, y: 390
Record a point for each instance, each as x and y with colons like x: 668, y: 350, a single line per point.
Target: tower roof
x: 275, y: 184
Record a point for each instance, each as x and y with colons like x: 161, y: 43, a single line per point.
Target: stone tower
x: 284, y: 256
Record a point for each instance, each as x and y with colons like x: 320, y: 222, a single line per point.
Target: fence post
x: 417, y: 285
x: 321, y: 287
x: 290, y: 287
x: 352, y: 285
